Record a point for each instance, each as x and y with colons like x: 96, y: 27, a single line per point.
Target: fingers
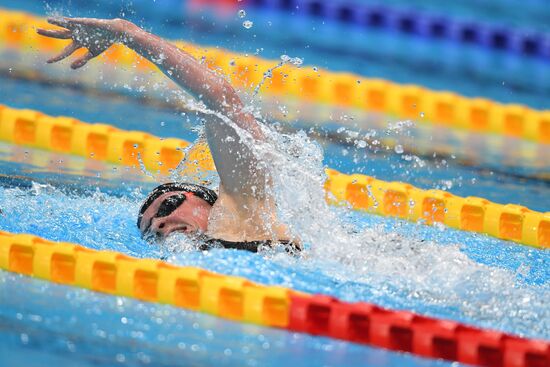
x: 72, y: 22
x: 87, y: 21
x: 67, y: 51
x: 80, y: 62
x: 60, y: 21
x: 62, y: 34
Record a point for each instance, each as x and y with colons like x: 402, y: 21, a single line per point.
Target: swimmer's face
x: 175, y: 212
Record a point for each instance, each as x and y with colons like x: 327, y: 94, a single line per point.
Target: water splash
x: 374, y: 263
x: 268, y: 74
x: 403, y: 268
x: 346, y: 256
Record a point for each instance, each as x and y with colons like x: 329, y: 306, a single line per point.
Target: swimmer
x: 242, y: 214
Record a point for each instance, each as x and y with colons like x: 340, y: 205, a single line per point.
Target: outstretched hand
x: 96, y: 35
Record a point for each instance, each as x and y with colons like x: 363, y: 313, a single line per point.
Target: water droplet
x: 24, y: 338
x: 242, y: 13
x: 399, y: 149
x: 248, y: 24
x: 292, y: 60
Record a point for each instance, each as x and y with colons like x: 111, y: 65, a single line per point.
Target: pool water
x: 431, y: 270
x: 440, y: 272
x: 43, y: 323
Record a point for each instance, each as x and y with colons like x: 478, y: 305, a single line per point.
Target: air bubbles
x: 248, y: 24
x: 445, y: 185
x: 398, y: 149
x: 241, y: 13
x: 24, y: 338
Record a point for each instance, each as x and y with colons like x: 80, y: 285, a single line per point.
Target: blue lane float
x: 408, y: 21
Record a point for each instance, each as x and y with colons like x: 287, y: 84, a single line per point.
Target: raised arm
x: 238, y: 169
x: 97, y: 35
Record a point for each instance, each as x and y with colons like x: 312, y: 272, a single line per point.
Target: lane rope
x: 241, y: 300
x: 107, y: 143
x: 343, y: 89
x: 413, y: 22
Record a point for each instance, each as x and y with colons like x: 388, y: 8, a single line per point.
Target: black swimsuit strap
x: 251, y: 246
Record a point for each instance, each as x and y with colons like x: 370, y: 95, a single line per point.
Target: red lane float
x: 405, y: 331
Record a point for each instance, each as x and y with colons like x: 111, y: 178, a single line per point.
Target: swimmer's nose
x: 159, y: 229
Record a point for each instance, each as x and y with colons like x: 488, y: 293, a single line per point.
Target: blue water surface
x: 478, y: 271
x: 42, y: 323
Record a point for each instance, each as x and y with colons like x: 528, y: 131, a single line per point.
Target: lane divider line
x: 17, y: 33
x: 241, y: 300
x: 107, y: 143
x: 413, y: 22
x: 520, y: 157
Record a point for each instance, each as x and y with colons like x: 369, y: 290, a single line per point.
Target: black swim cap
x: 202, y: 192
